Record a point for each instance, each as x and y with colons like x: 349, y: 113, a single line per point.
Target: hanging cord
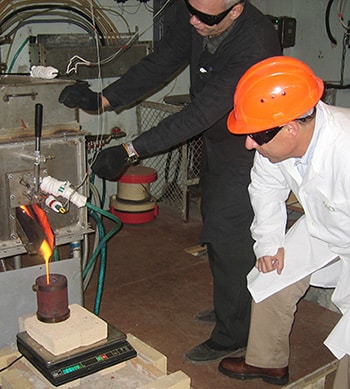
x: 345, y: 45
x: 101, y: 123
x: 328, y: 28
x: 342, y: 63
x: 77, y: 61
x: 341, y: 8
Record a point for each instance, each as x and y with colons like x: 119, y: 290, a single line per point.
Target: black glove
x: 111, y: 163
x: 79, y: 95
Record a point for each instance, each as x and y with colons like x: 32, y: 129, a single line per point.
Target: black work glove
x: 111, y: 163
x: 81, y: 96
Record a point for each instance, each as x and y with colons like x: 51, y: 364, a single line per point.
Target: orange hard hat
x: 273, y: 92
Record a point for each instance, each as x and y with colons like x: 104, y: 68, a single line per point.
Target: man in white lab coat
x: 302, y: 146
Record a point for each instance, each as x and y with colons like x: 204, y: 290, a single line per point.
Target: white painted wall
x: 312, y: 43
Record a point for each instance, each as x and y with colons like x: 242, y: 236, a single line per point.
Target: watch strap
x: 132, y: 153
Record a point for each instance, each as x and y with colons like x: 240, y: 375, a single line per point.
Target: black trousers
x: 230, y: 262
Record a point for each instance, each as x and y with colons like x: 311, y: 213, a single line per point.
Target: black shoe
x: 207, y: 316
x: 205, y: 353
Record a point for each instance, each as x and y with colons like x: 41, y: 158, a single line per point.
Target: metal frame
x: 179, y: 168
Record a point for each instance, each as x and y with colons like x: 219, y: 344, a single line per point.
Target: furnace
x: 38, y: 138
x: 62, y: 155
x: 43, y: 204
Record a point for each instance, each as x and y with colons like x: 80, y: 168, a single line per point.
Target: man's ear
x: 293, y: 128
x: 236, y: 11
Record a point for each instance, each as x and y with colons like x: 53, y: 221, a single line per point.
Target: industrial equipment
x: 61, y: 155
x: 43, y: 202
x: 286, y: 29
x: 38, y: 137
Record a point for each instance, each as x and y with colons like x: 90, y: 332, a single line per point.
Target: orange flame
x: 46, y: 247
x: 45, y: 225
x: 26, y: 210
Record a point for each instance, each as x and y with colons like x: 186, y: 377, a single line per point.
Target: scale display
x: 83, y: 361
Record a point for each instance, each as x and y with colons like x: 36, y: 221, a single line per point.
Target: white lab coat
x: 319, y: 242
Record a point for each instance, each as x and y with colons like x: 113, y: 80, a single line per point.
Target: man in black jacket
x: 220, y: 40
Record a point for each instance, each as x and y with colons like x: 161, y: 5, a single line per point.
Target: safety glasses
x: 265, y: 136
x: 209, y: 20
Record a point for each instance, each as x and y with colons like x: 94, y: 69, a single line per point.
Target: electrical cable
x: 48, y: 7
x: 328, y: 29
x: 342, y: 62
x: 10, y: 364
x: 70, y: 20
x: 26, y: 20
x: 76, y: 60
x: 345, y: 44
x: 341, y: 8
x: 100, y: 122
x: 108, y: 30
x: 120, y: 15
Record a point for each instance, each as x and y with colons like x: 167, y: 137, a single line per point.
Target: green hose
x: 100, y: 248
x: 102, y: 272
x: 17, y: 54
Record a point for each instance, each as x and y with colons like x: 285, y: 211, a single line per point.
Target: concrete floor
x: 153, y: 288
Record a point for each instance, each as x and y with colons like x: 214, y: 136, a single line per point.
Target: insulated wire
x: 107, y: 27
x: 100, y: 118
x: 328, y: 28
x: 30, y: 11
x: 120, y: 15
x: 64, y: 19
x: 11, y: 363
x: 341, y: 7
x: 342, y: 63
x: 79, y: 61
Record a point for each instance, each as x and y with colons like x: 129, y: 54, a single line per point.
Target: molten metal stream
x: 45, y: 251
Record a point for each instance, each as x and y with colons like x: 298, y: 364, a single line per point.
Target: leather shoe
x: 207, y: 352
x: 207, y: 316
x: 237, y: 368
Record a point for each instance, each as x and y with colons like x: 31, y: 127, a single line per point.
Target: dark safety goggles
x: 265, y: 136
x: 209, y: 20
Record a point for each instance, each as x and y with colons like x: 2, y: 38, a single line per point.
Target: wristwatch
x: 132, y: 153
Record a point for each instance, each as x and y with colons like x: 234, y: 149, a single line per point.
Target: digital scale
x: 77, y: 363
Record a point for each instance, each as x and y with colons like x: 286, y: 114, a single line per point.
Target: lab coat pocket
x: 329, y: 220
